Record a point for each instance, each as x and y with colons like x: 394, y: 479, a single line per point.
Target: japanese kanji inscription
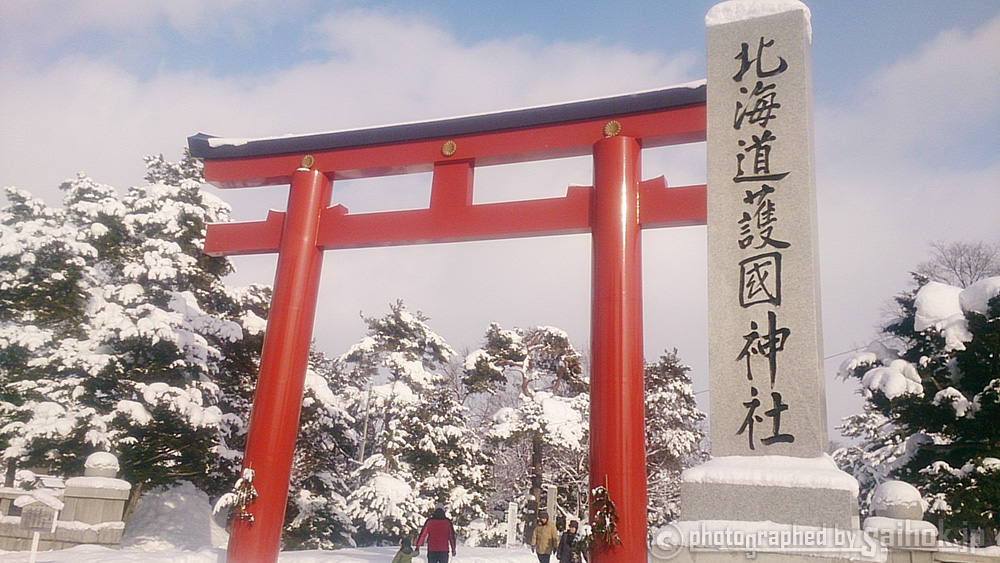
x: 765, y: 351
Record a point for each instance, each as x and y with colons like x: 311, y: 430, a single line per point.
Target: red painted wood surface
x: 617, y: 423
x: 660, y: 207
x: 274, y: 421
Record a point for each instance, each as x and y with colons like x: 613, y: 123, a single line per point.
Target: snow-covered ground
x: 177, y: 526
x: 95, y: 554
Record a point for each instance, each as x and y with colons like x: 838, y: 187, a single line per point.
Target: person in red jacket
x: 439, y: 535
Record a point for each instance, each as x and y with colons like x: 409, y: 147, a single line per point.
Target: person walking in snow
x: 568, y: 550
x: 545, y: 538
x: 405, y: 553
x: 439, y: 534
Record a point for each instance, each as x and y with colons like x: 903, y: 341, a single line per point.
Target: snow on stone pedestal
x: 90, y: 511
x: 762, y: 542
x: 768, y: 402
x: 781, y: 489
x: 898, y: 520
x: 98, y: 496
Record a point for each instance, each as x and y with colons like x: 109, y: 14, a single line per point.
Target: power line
x: 854, y: 350
x: 845, y: 352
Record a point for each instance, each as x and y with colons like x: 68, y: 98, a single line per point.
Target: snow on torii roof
x: 211, y: 147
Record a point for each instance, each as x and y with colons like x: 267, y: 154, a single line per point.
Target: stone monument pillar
x: 551, y: 496
x: 768, y: 406
x: 511, y: 524
x: 765, y: 343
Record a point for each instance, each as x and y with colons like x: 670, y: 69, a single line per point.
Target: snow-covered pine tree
x: 674, y: 435
x: 416, y: 448
x: 872, y: 456
x: 534, y: 386
x: 44, y: 282
x: 941, y: 395
x: 143, y: 361
x: 325, y: 450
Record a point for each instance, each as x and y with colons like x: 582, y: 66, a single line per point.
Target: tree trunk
x: 133, y: 499
x: 535, y: 502
x: 11, y: 472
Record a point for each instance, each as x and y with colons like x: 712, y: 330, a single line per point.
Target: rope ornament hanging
x: 605, y: 521
x: 245, y: 494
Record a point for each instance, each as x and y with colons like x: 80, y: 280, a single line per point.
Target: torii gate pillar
x: 274, y: 420
x: 617, y: 427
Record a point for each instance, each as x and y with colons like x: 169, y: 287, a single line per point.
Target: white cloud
x: 92, y: 115
x: 952, y: 82
x: 40, y: 25
x: 927, y: 109
x: 886, y: 184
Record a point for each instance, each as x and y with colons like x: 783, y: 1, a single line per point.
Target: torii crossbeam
x: 614, y: 210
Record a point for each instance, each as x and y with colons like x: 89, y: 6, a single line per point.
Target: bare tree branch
x: 961, y: 263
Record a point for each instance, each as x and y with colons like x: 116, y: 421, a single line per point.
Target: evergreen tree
x: 138, y: 352
x: 44, y: 285
x: 117, y: 333
x: 673, y: 435
x: 940, y: 400
x: 538, y: 430
x: 316, y: 517
x: 416, y: 448
x: 873, y: 455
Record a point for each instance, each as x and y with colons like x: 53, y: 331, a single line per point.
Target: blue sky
x: 907, y: 113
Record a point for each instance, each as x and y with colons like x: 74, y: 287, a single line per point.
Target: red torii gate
x: 613, y: 130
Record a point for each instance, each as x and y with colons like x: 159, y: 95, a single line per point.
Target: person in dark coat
x: 568, y: 550
x: 439, y: 534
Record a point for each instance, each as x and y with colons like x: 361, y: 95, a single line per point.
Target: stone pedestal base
x: 95, y: 500
x: 710, y: 541
x: 777, y: 489
x: 770, y: 508
x: 67, y: 535
x: 687, y: 556
x: 785, y: 505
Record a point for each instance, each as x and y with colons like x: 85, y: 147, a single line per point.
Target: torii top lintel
x: 452, y: 148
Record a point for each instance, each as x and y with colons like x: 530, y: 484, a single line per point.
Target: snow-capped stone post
x: 768, y: 405
x: 899, y: 521
x: 551, y: 495
x: 99, y: 496
x: 511, y: 524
